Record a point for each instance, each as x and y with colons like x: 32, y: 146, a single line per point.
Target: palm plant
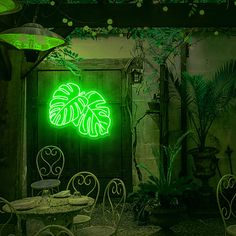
x: 207, y: 99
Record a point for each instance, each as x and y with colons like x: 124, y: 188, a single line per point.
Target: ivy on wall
x: 162, y: 41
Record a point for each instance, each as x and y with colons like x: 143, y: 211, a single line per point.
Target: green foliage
x: 95, y: 120
x: 88, y: 32
x: 67, y: 104
x: 160, y: 188
x: 64, y: 56
x: 207, y: 99
x: 193, y: 9
x: 161, y: 185
x: 87, y: 111
x: 163, y: 41
x: 35, y: 1
x: 117, y: 1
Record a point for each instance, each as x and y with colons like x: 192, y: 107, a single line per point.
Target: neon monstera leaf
x: 86, y: 111
x: 67, y: 104
x: 95, y: 120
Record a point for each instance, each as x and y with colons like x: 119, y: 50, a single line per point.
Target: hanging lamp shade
x: 9, y: 6
x: 31, y: 36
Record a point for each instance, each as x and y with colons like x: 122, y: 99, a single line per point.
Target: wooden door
x: 107, y: 157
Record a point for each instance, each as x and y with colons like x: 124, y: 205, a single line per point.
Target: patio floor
x: 190, y: 226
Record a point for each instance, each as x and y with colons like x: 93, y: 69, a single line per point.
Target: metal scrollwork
x: 50, y: 161
x: 226, y: 198
x: 114, y: 201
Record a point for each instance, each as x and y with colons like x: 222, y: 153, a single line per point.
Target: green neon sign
x: 88, y: 112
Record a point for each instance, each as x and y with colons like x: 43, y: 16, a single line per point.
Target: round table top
x: 36, y: 205
x: 46, y: 184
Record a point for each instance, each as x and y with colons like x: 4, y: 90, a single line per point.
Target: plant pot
x: 204, y: 162
x: 165, y: 217
x: 154, y: 106
x: 140, y: 215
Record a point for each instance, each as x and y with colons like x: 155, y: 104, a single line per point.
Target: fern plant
x: 164, y: 189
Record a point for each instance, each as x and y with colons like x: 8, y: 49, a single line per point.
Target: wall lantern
x: 137, y: 75
x: 9, y: 6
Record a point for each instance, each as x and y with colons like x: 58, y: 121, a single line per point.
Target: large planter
x: 204, y: 162
x: 154, y: 106
x: 165, y: 218
x: 204, y: 166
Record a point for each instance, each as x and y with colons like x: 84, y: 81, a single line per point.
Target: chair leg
x: 58, y: 190
x: 19, y: 227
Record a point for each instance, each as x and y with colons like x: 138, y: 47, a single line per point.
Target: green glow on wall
x: 9, y: 6
x: 86, y: 111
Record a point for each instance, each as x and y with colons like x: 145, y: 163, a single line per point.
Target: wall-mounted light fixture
x: 31, y: 36
x: 9, y: 6
x: 137, y: 75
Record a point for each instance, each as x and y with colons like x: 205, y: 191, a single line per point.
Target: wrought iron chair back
x: 87, y: 184
x: 113, y: 204
x: 226, y: 200
x: 9, y: 217
x: 54, y: 230
x: 50, y: 162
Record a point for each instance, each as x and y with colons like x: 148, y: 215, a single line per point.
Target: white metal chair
x: 6, y: 226
x: 113, y: 203
x: 84, y: 183
x: 226, y: 199
x: 54, y: 230
x: 50, y: 162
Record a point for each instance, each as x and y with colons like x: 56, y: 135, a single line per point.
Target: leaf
x: 87, y: 111
x: 193, y: 9
x: 95, y: 119
x: 67, y: 104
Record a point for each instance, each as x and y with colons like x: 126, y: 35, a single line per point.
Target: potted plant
x: 205, y: 100
x: 154, y: 104
x: 163, y: 194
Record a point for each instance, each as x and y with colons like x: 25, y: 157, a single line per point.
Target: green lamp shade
x: 31, y: 36
x: 87, y: 111
x: 9, y: 6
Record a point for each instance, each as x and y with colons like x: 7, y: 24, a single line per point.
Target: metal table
x: 55, y: 211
